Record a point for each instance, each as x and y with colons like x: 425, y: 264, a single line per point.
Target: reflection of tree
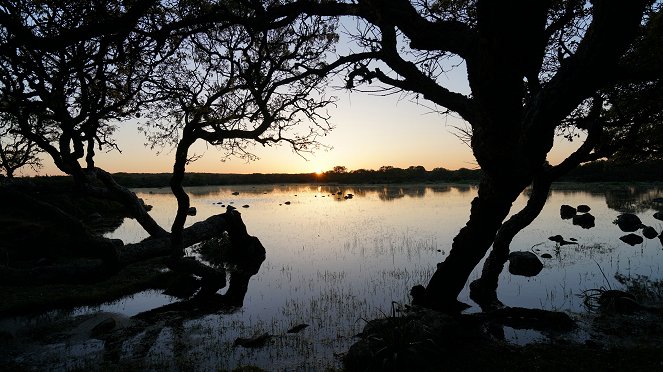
x: 391, y: 193
x: 632, y: 199
x: 241, y: 264
x: 462, y: 188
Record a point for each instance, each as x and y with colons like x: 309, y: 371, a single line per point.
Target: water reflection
x: 331, y: 264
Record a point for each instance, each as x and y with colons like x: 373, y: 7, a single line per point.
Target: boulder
x: 583, y: 208
x: 649, y: 232
x: 658, y: 216
x: 586, y: 221
x: 632, y: 239
x: 628, y: 222
x: 524, y: 264
x: 566, y: 212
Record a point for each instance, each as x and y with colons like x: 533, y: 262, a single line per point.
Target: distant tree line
x: 598, y: 171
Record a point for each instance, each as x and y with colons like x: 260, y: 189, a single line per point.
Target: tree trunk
x: 488, y: 211
x: 484, y: 290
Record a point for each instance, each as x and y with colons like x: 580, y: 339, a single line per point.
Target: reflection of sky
x: 332, y: 262
x: 402, y: 227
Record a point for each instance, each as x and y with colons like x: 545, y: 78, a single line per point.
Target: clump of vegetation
x: 642, y: 287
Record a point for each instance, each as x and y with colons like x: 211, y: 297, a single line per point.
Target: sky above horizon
x: 370, y: 131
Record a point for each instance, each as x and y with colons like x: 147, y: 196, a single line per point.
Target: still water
x: 333, y: 263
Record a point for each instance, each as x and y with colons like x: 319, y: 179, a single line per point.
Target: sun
x: 318, y: 171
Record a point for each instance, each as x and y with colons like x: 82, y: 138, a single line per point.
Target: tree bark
x: 488, y: 211
x: 484, y: 290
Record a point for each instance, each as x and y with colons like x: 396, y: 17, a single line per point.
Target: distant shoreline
x: 600, y: 171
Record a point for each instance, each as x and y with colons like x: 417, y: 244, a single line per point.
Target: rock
x: 103, y: 327
x: 235, y: 193
x: 524, y: 264
x: 546, y: 255
x: 245, y: 206
x: 287, y: 203
x: 632, y: 239
x: 586, y: 221
x: 192, y: 211
x: 628, y: 222
x: 658, y: 216
x: 649, y: 232
x: 583, y: 208
x: 566, y: 212
x: 298, y: 328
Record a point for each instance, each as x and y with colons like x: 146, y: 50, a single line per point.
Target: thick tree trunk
x: 484, y: 290
x: 488, y: 211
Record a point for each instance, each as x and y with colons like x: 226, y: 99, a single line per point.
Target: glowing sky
x: 370, y: 131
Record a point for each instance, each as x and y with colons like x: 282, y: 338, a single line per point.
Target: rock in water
x: 192, y: 211
x: 566, y: 212
x: 586, y: 221
x: 658, y: 216
x: 649, y: 232
x: 583, y: 208
x: 524, y: 264
x: 628, y: 222
x: 632, y: 239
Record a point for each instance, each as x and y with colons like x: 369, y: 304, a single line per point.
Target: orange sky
x: 370, y: 132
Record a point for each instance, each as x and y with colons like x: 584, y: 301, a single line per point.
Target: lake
x: 334, y: 263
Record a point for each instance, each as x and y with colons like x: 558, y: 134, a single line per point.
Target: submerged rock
x: 628, y: 222
x: 632, y: 239
x: 566, y: 212
x: 649, y: 232
x: 524, y: 264
x: 586, y: 221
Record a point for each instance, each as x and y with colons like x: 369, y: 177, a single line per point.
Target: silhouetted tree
x: 16, y: 151
x: 533, y: 67
x: 233, y: 85
x: 72, y: 71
